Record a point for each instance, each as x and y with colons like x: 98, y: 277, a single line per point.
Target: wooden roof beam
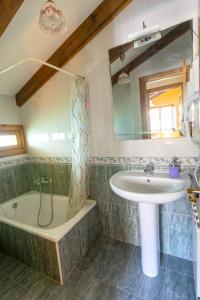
x: 8, y: 9
x: 97, y: 20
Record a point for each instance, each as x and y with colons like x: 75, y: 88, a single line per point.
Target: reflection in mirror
x: 193, y: 121
x: 149, y: 83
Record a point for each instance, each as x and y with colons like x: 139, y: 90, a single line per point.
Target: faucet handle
x: 150, y: 165
x: 149, y: 168
x: 43, y: 180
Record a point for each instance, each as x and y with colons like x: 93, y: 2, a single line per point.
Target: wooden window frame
x: 20, y: 148
x: 144, y: 92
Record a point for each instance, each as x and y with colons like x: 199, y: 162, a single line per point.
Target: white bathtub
x: 25, y: 217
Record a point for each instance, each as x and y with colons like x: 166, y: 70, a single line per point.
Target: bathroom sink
x: 157, y: 188
x: 149, y: 191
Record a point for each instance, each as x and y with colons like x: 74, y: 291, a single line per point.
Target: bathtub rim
x: 53, y: 234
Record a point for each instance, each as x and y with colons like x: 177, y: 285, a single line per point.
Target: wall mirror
x: 150, y: 76
x: 193, y: 121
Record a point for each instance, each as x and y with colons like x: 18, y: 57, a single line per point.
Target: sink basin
x: 149, y: 191
x: 156, y: 188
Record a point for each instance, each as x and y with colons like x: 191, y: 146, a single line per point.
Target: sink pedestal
x: 150, y: 241
x: 149, y: 191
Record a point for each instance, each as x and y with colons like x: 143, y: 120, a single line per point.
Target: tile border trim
x: 159, y: 162
x: 12, y: 163
x: 142, y: 161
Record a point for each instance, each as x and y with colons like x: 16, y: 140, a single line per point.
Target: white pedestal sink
x: 149, y: 191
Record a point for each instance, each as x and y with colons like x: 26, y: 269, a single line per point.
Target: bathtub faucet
x: 43, y: 180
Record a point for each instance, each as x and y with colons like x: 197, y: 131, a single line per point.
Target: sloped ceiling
x: 23, y: 38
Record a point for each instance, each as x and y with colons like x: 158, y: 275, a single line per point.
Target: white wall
x: 9, y: 112
x: 93, y: 61
x: 48, y: 113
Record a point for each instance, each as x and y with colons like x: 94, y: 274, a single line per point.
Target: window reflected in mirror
x: 161, y: 98
x: 164, y: 113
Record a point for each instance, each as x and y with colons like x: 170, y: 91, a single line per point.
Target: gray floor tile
x: 111, y: 270
x: 163, y: 260
x: 179, y: 287
x: 107, y: 263
x: 48, y: 291
x: 79, y: 286
x: 91, y: 261
x: 135, y: 258
x: 10, y: 290
x: 105, y: 242
x: 82, y: 286
x: 27, y: 277
x: 3, y: 276
x: 7, y: 264
x: 138, y: 284
x: 32, y: 281
x: 106, y: 292
x: 179, y: 265
x: 146, y: 288
x: 17, y: 270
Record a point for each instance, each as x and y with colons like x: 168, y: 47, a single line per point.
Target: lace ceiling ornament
x: 51, y: 19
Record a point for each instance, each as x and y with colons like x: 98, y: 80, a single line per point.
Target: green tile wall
x: 60, y: 173
x: 14, y: 181
x: 19, y: 179
x: 119, y: 217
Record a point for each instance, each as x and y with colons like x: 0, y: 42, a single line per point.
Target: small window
x: 11, y: 140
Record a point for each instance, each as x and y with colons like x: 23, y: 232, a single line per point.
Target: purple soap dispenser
x: 174, y: 168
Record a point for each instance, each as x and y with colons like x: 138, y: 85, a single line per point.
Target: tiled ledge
x: 13, y: 162
x: 162, y: 162
x: 53, y: 160
x: 25, y: 160
x: 159, y: 162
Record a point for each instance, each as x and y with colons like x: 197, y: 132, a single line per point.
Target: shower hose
x: 40, y: 207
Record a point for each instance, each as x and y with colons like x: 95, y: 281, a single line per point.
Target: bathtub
x: 25, y: 215
x: 54, y: 250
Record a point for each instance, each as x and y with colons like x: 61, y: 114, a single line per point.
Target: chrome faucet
x: 149, y: 168
x: 42, y: 180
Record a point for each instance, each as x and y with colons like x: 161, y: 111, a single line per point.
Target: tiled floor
x: 110, y: 271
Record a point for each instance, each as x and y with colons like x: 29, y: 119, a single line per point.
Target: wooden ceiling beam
x: 115, y: 52
x: 97, y: 20
x: 170, y: 37
x: 8, y: 9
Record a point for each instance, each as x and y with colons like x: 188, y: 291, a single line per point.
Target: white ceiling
x: 23, y: 38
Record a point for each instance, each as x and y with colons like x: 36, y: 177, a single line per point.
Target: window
x: 162, y: 96
x: 163, y: 118
x: 11, y: 140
